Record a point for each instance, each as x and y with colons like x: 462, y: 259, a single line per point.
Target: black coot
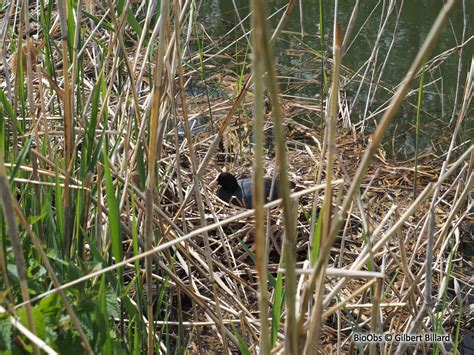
x: 240, y: 192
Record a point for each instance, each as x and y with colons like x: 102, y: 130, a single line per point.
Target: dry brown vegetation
x: 109, y: 140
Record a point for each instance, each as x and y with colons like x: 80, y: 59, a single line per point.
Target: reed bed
x: 115, y: 118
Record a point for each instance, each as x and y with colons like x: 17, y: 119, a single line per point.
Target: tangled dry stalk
x: 121, y: 134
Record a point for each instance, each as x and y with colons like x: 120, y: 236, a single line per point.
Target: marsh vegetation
x: 116, y: 116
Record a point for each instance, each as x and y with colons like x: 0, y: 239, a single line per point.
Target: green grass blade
x: 114, y: 216
x: 317, y: 238
x: 278, y: 298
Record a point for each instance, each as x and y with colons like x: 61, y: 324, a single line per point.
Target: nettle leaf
x: 5, y: 333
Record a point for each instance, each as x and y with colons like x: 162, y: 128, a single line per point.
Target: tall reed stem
x: 68, y: 126
x: 150, y: 182
x: 288, y: 211
x: 259, y: 39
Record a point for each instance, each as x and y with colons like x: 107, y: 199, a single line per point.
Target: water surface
x: 299, y: 57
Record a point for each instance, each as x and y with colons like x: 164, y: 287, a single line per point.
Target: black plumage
x: 240, y: 192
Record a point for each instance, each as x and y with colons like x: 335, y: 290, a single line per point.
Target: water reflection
x: 405, y: 26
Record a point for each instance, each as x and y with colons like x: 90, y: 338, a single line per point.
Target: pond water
x: 404, y: 31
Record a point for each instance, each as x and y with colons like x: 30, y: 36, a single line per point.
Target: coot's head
x: 227, y: 181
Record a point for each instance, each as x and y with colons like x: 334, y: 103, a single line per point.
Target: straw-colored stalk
x: 259, y: 40
x: 177, y: 31
x: 374, y: 322
x: 29, y: 59
x: 150, y: 183
x: 388, y: 117
x: 427, y: 299
x: 174, y: 242
x: 228, y: 118
x: 68, y: 126
x: 364, y: 254
x: 197, y: 190
x: 289, y: 217
x: 315, y: 324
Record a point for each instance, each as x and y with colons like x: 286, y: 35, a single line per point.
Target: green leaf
x: 70, y: 26
x: 114, y: 216
x: 113, y: 308
x: 7, y: 106
x: 3, y: 136
x: 38, y: 319
x: 243, y: 347
x: 141, y: 166
x: 35, y: 219
x: 277, y: 307
x: 100, y: 317
x: 59, y: 203
x: 21, y: 157
x: 317, y: 238
x: 5, y: 334
x: 131, y: 19
x: 104, y: 25
x: 95, y: 155
x: 133, y: 22
x: 92, y: 122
